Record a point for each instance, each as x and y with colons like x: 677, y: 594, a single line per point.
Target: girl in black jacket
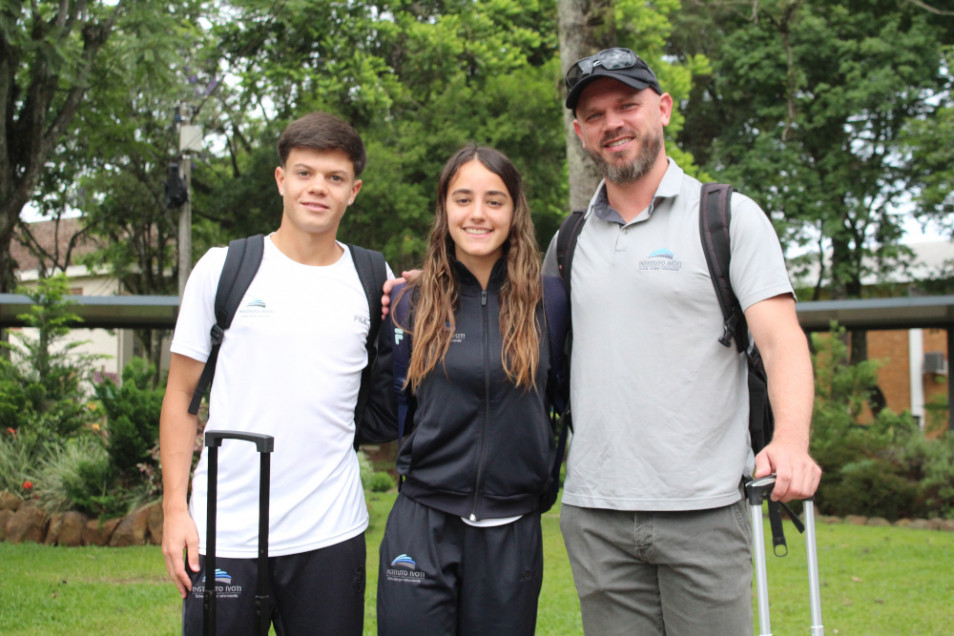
x: 462, y: 551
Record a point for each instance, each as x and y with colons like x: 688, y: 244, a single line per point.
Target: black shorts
x: 317, y: 592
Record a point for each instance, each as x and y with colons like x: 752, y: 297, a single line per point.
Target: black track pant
x: 439, y: 575
x: 319, y: 592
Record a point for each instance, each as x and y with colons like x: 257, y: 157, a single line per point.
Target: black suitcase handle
x: 265, y: 444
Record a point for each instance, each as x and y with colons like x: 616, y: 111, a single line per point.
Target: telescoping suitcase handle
x: 756, y: 491
x: 264, y: 444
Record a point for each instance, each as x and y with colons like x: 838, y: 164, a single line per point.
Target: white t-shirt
x: 289, y: 366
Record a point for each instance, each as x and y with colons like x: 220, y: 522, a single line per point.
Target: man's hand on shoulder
x: 406, y: 277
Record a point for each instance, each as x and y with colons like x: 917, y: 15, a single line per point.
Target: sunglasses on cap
x: 610, y: 59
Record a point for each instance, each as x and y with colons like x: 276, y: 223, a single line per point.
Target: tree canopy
x: 835, y: 116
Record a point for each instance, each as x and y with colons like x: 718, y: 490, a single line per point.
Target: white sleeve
x: 192, y: 336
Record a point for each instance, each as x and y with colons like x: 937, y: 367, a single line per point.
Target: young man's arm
x: 177, y: 433
x: 791, y: 385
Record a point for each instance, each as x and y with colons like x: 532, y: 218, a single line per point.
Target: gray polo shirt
x: 660, y: 408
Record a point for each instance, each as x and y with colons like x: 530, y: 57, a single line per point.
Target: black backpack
x: 241, y: 265
x: 715, y: 213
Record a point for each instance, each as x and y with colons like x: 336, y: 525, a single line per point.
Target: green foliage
x: 76, y: 475
x: 417, y: 80
x: 132, y: 416
x: 366, y: 468
x: 381, y: 482
x: 17, y: 461
x: 886, y: 468
x: 41, y: 382
x: 804, y: 111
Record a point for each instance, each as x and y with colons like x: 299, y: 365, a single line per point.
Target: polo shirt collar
x: 668, y: 189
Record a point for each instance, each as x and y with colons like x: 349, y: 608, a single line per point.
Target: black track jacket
x: 481, y: 448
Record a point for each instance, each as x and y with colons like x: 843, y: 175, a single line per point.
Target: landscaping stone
x: 97, y: 532
x: 5, y: 516
x: 903, y: 523
x: 878, y: 521
x: 131, y: 530
x: 53, y: 528
x: 856, y: 520
x: 9, y: 501
x: 947, y: 525
x: 27, y: 524
x: 154, y: 524
x: 71, y: 531
x: 920, y: 524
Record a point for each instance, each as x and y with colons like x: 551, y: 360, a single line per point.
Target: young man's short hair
x: 323, y: 131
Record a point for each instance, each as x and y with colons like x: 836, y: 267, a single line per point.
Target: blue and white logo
x: 404, y: 561
x: 257, y: 302
x: 221, y: 576
x: 661, y: 259
x: 663, y: 253
x: 403, y: 569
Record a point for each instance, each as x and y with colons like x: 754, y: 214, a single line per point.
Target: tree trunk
x: 586, y: 26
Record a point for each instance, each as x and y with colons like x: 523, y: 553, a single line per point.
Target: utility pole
x: 190, y: 140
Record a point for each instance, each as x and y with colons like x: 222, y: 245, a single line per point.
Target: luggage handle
x: 756, y: 491
x: 265, y: 444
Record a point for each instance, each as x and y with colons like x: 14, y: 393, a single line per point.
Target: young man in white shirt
x: 289, y: 366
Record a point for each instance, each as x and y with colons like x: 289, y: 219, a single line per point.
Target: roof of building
x: 54, y: 238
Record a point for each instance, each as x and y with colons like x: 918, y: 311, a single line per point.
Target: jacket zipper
x: 483, y: 433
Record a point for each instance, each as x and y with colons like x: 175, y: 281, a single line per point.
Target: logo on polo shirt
x: 403, y: 569
x: 660, y: 260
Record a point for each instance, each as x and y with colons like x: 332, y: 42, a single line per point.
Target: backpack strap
x: 570, y: 230
x: 402, y: 346
x: 715, y: 214
x: 241, y: 264
x: 556, y: 305
x: 373, y: 272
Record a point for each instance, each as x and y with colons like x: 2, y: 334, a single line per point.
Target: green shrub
x: 17, y: 461
x: 68, y: 482
x: 41, y: 394
x: 367, y: 469
x: 381, y: 482
x: 886, y: 468
x: 132, y: 420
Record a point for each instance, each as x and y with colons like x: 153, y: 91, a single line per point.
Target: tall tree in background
x: 47, y: 50
x: 417, y: 80
x: 804, y: 111
x: 587, y: 26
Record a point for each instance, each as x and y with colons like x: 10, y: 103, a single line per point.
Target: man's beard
x: 649, y: 148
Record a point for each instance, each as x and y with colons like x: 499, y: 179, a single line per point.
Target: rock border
x: 24, y: 521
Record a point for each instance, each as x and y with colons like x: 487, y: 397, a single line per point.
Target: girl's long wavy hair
x: 435, y: 292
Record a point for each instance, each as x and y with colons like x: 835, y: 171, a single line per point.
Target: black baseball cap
x: 619, y: 64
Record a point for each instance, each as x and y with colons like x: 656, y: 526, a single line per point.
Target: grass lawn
x: 874, y: 581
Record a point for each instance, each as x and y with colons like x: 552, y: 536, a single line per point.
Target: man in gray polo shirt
x: 653, y: 518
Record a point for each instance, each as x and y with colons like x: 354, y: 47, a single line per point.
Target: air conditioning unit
x: 935, y: 363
